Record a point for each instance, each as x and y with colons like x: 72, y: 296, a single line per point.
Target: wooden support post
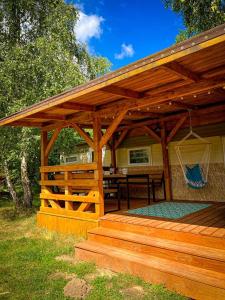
x: 113, y: 153
x: 44, y: 162
x: 68, y: 191
x: 166, y: 164
x: 98, y: 174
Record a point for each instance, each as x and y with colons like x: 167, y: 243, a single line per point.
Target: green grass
x: 27, y: 259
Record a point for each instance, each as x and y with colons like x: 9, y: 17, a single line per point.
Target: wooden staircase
x: 193, y: 265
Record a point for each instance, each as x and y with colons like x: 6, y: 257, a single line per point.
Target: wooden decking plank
x: 220, y: 233
x: 201, y: 222
x: 210, y: 230
x: 212, y: 219
x: 190, y: 220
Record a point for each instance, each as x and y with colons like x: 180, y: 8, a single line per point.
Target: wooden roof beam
x: 76, y: 106
x: 201, y: 111
x: 47, y: 116
x: 27, y: 124
x: 179, y: 104
x: 191, y: 89
x: 123, y: 92
x: 181, y: 71
x: 143, y: 114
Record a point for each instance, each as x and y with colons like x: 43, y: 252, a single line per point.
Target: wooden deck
x: 186, y: 255
x: 207, y: 222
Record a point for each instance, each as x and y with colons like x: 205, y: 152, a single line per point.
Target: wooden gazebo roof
x: 188, y: 75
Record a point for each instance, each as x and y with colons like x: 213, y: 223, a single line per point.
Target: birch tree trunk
x: 27, y: 193
x: 10, y: 185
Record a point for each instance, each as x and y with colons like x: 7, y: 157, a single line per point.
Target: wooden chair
x: 112, y: 188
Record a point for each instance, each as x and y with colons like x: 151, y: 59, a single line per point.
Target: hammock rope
x: 195, y: 175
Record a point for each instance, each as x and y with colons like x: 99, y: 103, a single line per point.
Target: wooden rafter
x: 110, y: 130
x: 182, y: 71
x: 52, y: 141
x: 143, y: 114
x: 76, y: 106
x: 201, y: 111
x: 182, y: 105
x: 194, y: 88
x: 176, y: 128
x: 83, y: 134
x: 123, y: 92
x: 122, y: 136
x: 152, y: 133
x: 47, y: 116
x: 77, y: 118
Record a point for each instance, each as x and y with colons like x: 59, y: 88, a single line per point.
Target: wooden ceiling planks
x: 174, y: 74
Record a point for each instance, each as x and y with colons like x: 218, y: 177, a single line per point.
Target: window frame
x: 140, y: 148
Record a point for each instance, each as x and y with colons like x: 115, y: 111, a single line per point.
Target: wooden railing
x: 70, y: 190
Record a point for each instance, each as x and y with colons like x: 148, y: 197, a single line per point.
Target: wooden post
x: 98, y: 159
x: 113, y: 153
x: 166, y: 164
x: 44, y: 162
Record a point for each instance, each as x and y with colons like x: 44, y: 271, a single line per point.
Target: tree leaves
x: 198, y: 15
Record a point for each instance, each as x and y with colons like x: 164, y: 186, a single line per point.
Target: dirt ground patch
x: 134, y: 292
x: 67, y: 258
x: 62, y: 275
x: 100, y: 272
x: 77, y: 288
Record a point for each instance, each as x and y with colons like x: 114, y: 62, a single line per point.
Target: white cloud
x: 88, y: 27
x: 127, y: 50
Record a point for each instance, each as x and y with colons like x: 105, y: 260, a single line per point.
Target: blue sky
x: 125, y: 31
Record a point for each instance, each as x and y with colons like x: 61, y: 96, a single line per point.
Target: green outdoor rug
x: 169, y: 210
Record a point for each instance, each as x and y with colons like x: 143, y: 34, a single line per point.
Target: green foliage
x: 198, y: 15
x: 39, y: 57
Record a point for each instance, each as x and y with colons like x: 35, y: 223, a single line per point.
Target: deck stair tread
x: 198, y: 274
x: 178, y: 246
x: 147, y: 229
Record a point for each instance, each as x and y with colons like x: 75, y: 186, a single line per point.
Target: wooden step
x: 194, y: 282
x: 197, y: 255
x: 146, y: 229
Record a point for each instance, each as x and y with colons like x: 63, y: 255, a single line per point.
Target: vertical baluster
x: 68, y: 190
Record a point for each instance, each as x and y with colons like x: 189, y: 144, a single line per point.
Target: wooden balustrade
x: 70, y: 190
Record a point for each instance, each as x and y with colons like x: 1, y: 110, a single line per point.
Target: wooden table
x: 129, y: 179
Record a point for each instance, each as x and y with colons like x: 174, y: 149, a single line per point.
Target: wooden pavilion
x: 153, y: 93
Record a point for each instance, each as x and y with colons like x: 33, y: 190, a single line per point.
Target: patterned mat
x: 169, y: 210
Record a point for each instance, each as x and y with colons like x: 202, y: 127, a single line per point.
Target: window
x: 139, y: 156
x: 71, y: 159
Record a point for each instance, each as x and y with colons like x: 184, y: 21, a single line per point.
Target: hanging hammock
x: 195, y: 174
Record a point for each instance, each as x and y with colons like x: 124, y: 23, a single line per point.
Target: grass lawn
x: 29, y: 268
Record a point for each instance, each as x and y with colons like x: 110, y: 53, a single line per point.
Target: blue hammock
x: 194, y: 177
